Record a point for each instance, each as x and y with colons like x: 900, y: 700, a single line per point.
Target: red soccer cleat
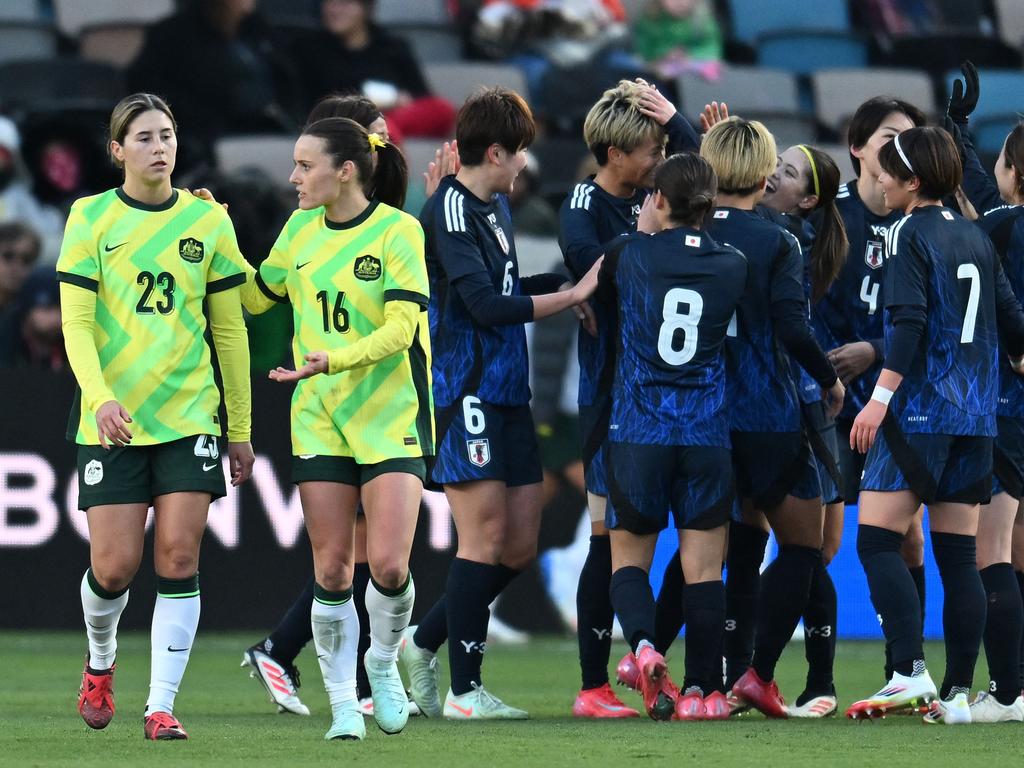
x: 690, y: 706
x: 163, y: 726
x: 716, y: 706
x: 656, y: 687
x: 763, y: 696
x: 628, y: 673
x: 601, y: 703
x: 96, y: 696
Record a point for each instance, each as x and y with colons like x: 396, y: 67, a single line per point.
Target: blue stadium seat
x: 26, y: 40
x: 990, y: 132
x: 753, y: 18
x: 804, y: 53
x: 742, y: 88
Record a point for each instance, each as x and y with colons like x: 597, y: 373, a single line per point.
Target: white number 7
x: 970, y: 272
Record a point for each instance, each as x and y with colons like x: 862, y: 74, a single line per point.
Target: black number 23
x: 164, y: 282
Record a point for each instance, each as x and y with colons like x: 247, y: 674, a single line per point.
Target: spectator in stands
x: 894, y: 18
x: 677, y: 36
x: 352, y: 53
x: 19, y: 251
x: 17, y: 203
x: 224, y: 70
x: 40, y: 341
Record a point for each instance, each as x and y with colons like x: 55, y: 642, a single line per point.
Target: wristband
x: 882, y: 395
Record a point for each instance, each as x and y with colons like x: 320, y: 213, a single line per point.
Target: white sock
x: 389, y: 618
x: 336, y: 637
x: 175, y: 619
x: 101, y: 617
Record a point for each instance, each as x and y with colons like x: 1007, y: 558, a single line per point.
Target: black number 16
x: 338, y: 317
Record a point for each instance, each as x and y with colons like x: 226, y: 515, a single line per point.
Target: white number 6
x: 474, y: 417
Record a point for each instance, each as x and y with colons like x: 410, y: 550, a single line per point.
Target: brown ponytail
x: 830, y: 243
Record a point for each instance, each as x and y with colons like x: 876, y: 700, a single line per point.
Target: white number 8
x: 474, y: 417
x: 675, y: 321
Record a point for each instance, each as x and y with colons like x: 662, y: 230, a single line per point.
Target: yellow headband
x: 376, y: 142
x: 814, y: 169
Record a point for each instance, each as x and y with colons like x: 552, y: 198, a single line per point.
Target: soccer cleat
x: 717, y: 706
x: 737, y: 706
x: 96, y: 696
x: 280, y: 681
x: 478, y: 704
x: 690, y: 706
x: 761, y: 695
x: 986, y: 709
x: 956, y: 711
x: 346, y: 723
x: 601, y: 703
x: 656, y: 687
x: 390, y: 701
x: 901, y: 692
x: 422, y: 668
x: 162, y: 726
x: 366, y: 706
x: 628, y: 673
x: 815, y: 707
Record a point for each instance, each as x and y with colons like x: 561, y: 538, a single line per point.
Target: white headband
x: 903, y: 157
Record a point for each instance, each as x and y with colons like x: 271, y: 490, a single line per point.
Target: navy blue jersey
x: 1005, y: 227
x: 676, y: 295
x: 464, y: 236
x: 590, y: 221
x: 761, y: 392
x: 942, y: 263
x: 852, y: 308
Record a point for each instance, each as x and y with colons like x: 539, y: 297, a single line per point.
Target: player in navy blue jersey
x: 775, y: 472
x: 626, y: 130
x: 928, y: 427
x: 487, y: 457
x: 675, y: 293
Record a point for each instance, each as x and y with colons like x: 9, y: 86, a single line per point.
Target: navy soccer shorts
x: 821, y: 433
x: 594, y: 430
x: 1008, y: 458
x: 772, y: 465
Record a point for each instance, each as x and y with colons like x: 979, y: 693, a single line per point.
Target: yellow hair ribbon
x: 376, y: 142
x: 814, y: 169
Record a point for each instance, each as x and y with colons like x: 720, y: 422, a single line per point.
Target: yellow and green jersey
x: 151, y: 268
x: 338, y: 278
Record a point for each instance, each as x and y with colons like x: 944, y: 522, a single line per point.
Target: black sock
x: 743, y: 566
x: 963, y: 608
x: 1004, y: 623
x: 705, y: 611
x: 782, y: 599
x: 432, y: 631
x: 470, y: 587
x: 669, y: 615
x: 633, y: 602
x: 1020, y: 586
x: 360, y: 580
x: 917, y: 574
x: 594, y: 612
x: 893, y: 595
x: 820, y: 633
x: 294, y: 630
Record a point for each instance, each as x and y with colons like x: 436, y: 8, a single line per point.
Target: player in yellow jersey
x: 362, y: 424
x: 136, y: 265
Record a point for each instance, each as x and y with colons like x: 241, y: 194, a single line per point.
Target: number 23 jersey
x: 151, y: 266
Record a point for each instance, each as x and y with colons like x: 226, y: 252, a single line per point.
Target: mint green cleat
x: 422, y: 668
x: 390, y: 702
x: 347, y: 723
x: 478, y: 704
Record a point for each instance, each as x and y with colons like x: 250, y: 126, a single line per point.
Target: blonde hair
x: 616, y: 121
x: 742, y: 152
x: 126, y: 111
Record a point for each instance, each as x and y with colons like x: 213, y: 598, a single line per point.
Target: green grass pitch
x: 231, y: 722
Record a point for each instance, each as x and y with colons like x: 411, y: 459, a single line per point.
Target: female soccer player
x: 675, y: 293
x: 775, y: 474
x: 487, y: 456
x: 929, y: 425
x: 362, y: 420
x: 136, y: 266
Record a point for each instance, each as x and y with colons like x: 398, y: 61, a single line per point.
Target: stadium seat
x: 742, y: 88
x: 536, y: 254
x: 1010, y: 21
x: 418, y: 154
x: 803, y: 53
x: 1000, y: 91
x: 788, y: 128
x: 558, y: 160
x: 429, y: 43
x: 841, y: 154
x: 753, y: 18
x: 388, y: 12
x: 116, y: 44
x: 72, y: 15
x: 26, y: 40
x: 39, y: 85
x: 456, y: 82
x: 939, y: 53
x: 19, y: 10
x: 838, y: 92
x: 990, y: 132
x: 270, y: 153
x: 962, y: 15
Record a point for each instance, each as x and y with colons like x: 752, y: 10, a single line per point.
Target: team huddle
x: 758, y: 344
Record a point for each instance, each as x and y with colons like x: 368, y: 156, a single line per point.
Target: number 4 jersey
x: 151, y: 267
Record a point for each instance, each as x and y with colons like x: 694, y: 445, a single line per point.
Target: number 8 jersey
x: 151, y: 267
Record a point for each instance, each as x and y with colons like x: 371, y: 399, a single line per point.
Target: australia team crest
x: 367, y: 268
x: 479, y: 451
x: 190, y: 249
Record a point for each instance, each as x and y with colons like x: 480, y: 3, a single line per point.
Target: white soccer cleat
x: 390, y: 701
x: 347, y: 724
x: 901, y: 692
x: 816, y: 707
x: 478, y: 704
x: 422, y: 668
x: 280, y: 682
x: 956, y: 711
x: 366, y: 706
x: 986, y: 709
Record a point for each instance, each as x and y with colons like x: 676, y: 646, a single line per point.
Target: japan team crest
x: 479, y: 451
x: 499, y: 233
x: 874, y: 254
x: 190, y: 249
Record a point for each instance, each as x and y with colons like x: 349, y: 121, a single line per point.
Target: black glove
x: 965, y: 94
x: 958, y: 138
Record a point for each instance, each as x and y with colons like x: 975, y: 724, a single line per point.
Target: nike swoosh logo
x: 176, y: 650
x: 300, y: 266
x: 457, y: 708
x: 399, y: 630
x: 610, y: 707
x: 208, y: 468
x: 109, y: 248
